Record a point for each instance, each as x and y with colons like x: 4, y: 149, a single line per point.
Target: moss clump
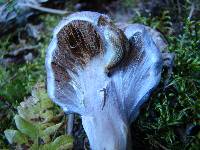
x: 18, y: 80
x: 170, y: 120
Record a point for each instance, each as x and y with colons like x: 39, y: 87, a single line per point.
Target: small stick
x: 48, y: 10
x: 161, y: 146
x: 70, y: 123
x: 191, y: 11
x: 20, y: 50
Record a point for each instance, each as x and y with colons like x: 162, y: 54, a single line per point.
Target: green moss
x: 17, y: 80
x: 164, y: 120
x: 129, y: 3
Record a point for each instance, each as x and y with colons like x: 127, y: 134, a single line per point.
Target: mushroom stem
x: 106, y: 132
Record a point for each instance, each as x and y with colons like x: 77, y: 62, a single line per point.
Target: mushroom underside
x: 77, y: 81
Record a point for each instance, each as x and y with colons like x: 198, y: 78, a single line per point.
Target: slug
x: 116, y: 42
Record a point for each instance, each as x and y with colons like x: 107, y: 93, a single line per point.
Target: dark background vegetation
x: 169, y: 120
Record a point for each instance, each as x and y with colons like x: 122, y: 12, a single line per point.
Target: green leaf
x: 35, y: 147
x: 62, y: 142
x: 49, y: 131
x: 26, y: 127
x: 52, y: 129
x: 36, y: 108
x: 14, y: 136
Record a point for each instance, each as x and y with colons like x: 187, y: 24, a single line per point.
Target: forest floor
x: 169, y: 120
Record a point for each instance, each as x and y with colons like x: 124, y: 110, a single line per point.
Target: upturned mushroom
x: 104, y: 72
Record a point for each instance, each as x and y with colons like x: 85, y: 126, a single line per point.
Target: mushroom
x: 103, y: 72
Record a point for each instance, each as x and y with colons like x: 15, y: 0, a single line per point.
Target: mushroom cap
x: 76, y: 59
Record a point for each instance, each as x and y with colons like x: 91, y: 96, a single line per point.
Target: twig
x: 48, y: 10
x: 191, y: 11
x: 18, y: 51
x: 161, y: 146
x: 70, y: 123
